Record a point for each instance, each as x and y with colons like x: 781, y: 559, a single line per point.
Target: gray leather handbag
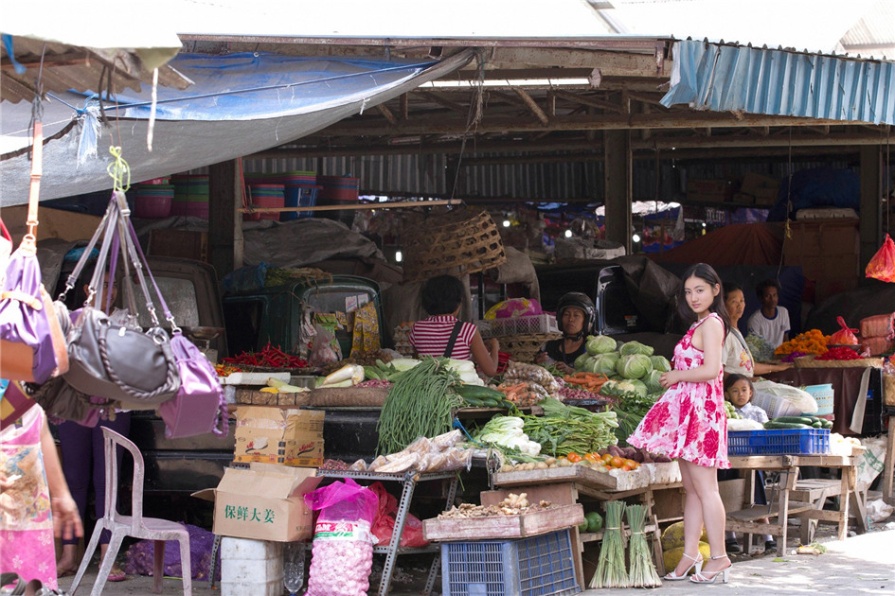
x: 114, y: 360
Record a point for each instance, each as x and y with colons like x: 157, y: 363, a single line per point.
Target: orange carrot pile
x: 587, y: 380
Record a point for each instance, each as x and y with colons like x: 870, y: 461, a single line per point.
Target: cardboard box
x: 709, y: 191
x: 279, y: 435
x: 263, y: 504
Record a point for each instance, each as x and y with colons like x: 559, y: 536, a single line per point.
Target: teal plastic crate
x: 535, y: 566
x: 797, y: 441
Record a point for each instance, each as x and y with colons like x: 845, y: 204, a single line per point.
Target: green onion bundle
x: 642, y: 571
x: 419, y: 404
x: 611, y: 570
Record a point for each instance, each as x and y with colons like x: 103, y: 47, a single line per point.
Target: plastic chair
x: 137, y: 526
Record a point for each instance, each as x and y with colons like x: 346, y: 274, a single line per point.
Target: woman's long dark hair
x: 708, y: 275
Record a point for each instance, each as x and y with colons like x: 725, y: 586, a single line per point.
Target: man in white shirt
x: 770, y: 322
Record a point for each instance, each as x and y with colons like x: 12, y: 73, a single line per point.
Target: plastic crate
x: 533, y: 325
x: 797, y: 441
x: 540, y: 565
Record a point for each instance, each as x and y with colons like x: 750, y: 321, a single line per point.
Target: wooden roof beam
x: 533, y: 106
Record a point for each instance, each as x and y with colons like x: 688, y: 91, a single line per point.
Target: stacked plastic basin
x: 153, y: 200
x: 190, y: 195
x: 339, y: 190
x: 265, y: 194
x: 299, y: 189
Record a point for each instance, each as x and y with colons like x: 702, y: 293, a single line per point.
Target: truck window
x: 180, y: 295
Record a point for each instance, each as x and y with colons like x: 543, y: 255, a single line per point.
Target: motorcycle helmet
x: 578, y: 300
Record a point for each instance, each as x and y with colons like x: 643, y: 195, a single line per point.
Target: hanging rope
x: 119, y: 170
x: 787, y: 228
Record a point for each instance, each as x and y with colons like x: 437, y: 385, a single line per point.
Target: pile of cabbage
x: 632, y: 367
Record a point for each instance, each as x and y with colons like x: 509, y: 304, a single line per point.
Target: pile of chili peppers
x: 839, y: 353
x: 269, y: 357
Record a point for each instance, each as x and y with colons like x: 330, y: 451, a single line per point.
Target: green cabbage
x: 622, y: 389
x: 633, y: 366
x: 660, y: 363
x: 599, y: 344
x: 652, y: 381
x: 602, y: 363
x: 635, y: 347
x: 639, y: 387
x: 581, y: 361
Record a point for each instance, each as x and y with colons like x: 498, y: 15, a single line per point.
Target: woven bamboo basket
x: 524, y: 348
x: 358, y: 397
x: 811, y: 362
x: 452, y: 244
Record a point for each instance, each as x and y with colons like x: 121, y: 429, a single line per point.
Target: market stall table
x: 747, y: 520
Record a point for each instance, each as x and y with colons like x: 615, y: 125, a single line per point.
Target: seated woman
x: 736, y: 356
x: 576, y: 318
x: 443, y: 334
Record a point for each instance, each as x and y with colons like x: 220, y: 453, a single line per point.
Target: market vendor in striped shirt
x: 442, y: 297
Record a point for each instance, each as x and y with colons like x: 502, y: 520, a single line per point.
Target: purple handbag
x: 199, y: 406
x: 32, y: 345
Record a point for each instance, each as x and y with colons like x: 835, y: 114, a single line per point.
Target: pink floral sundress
x: 688, y: 422
x: 26, y: 524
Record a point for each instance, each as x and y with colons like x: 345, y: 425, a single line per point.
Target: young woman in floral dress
x: 688, y: 423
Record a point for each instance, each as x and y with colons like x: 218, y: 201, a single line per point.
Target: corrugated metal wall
x: 427, y: 175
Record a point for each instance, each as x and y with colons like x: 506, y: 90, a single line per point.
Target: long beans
x: 420, y: 404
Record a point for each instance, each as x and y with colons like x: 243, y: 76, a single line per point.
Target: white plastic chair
x: 137, y: 526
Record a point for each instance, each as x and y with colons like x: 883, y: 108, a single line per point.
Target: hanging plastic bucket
x: 153, y: 201
x: 265, y: 195
x: 823, y: 395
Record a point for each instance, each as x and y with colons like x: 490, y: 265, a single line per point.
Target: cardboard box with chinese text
x: 263, y: 505
x: 278, y: 435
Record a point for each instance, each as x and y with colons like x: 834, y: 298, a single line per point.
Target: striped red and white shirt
x: 430, y: 337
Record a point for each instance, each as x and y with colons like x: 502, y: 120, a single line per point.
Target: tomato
x: 627, y: 468
x: 632, y: 464
x: 592, y: 457
x: 617, y: 462
x: 607, y: 457
x: 573, y: 457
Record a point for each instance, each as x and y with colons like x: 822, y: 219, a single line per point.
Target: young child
x: 738, y: 390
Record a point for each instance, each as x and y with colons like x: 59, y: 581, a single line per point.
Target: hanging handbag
x: 199, y: 407
x: 113, y: 360
x: 32, y: 345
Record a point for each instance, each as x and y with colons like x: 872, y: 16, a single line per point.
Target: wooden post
x: 617, y: 198
x: 225, y: 239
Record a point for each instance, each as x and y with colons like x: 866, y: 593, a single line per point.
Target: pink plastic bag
x: 384, y: 526
x: 342, y: 555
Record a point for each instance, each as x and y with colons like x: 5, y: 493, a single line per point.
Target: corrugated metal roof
x: 874, y: 34
x: 731, y: 78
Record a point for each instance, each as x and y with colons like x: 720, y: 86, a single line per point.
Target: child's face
x: 739, y: 394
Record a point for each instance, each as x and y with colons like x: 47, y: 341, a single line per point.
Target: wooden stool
x: 815, y: 491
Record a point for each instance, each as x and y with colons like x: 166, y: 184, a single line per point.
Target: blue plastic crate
x: 797, y: 441
x: 536, y: 566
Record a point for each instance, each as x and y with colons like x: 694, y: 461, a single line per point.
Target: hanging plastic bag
x: 342, y: 554
x: 384, y: 525
x: 882, y: 264
x: 845, y: 336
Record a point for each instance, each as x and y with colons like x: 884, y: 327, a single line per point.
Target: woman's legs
x: 75, y: 447
x: 705, y: 484
x: 692, y: 521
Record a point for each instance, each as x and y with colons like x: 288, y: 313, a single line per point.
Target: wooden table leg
x: 783, y: 513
